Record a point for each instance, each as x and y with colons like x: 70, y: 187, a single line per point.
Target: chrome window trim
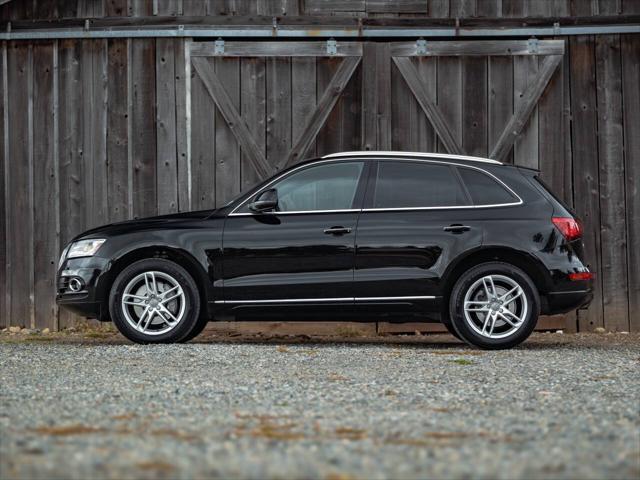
x: 328, y: 299
x: 386, y: 209
x: 293, y: 212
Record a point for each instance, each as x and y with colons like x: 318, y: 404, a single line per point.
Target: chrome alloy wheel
x: 153, y: 303
x: 495, y: 306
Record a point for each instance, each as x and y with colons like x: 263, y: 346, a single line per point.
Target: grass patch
x: 461, y: 361
x: 348, y: 332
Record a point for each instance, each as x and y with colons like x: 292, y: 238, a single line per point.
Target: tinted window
x: 415, y: 184
x: 322, y: 187
x: 483, y: 189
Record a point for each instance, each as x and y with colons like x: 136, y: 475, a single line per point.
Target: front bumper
x: 89, y: 300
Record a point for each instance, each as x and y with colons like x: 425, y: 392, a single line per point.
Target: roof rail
x: 371, y: 153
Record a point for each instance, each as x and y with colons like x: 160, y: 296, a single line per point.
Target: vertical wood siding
x: 51, y: 9
x: 96, y: 131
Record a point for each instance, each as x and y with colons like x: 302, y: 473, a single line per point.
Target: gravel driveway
x: 560, y: 406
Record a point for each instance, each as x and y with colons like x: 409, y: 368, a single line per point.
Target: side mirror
x: 266, y: 201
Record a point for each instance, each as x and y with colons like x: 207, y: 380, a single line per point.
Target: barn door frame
x: 198, y: 52
x: 377, y: 57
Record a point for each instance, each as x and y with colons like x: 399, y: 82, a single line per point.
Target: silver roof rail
x: 371, y: 153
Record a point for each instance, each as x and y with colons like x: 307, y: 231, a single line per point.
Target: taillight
x: 580, y: 276
x: 569, y: 227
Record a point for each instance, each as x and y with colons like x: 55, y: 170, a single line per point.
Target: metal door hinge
x: 421, y: 46
x: 533, y: 45
x: 218, y: 48
x: 332, y: 47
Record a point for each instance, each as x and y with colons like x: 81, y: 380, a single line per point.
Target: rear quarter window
x: 484, y: 189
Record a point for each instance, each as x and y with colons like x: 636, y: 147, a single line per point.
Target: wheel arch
x: 180, y: 257
x: 523, y: 260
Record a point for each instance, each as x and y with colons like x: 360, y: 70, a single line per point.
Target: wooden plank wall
x: 94, y: 131
x: 51, y: 9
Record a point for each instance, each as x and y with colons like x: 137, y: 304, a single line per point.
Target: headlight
x: 85, y: 248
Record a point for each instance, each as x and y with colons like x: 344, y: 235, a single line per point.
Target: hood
x: 146, y: 223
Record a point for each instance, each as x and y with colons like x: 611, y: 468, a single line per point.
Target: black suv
x: 482, y: 247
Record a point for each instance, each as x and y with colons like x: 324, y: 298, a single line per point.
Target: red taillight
x: 569, y: 227
x: 578, y: 276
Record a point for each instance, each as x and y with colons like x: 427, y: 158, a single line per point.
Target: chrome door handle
x: 457, y: 228
x: 337, y: 230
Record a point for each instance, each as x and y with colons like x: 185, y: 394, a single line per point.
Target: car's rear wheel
x: 494, y: 306
x: 155, y: 301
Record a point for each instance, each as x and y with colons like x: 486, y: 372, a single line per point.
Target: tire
x: 502, y: 306
x: 200, y: 326
x: 446, y: 321
x: 161, y: 302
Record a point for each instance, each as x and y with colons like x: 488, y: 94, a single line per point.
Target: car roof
x: 445, y: 156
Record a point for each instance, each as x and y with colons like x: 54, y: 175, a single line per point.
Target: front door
x: 303, y: 251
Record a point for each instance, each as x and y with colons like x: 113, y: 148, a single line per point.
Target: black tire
x: 186, y: 325
x: 467, y: 281
x: 200, y: 326
x: 446, y: 321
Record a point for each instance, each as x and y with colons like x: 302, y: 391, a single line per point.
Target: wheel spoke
x: 504, y: 317
x: 146, y: 310
x: 493, y: 324
x: 167, y: 292
x: 512, y: 315
x: 166, y: 311
x: 510, y: 292
x: 167, y: 300
x: 486, y: 323
x: 151, y: 315
x: 131, y: 295
x: 135, y: 304
x: 507, y: 302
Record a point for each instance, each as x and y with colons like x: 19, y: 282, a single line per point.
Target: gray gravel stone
x: 319, y: 410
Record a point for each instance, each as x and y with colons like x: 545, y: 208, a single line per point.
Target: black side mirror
x: 266, y: 201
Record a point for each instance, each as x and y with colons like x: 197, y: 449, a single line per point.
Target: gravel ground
x: 94, y: 406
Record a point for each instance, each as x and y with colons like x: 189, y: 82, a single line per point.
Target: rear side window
x: 414, y: 184
x: 485, y: 190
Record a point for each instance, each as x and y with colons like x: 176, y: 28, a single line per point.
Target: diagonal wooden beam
x: 323, y: 109
x: 525, y: 107
x: 433, y: 113
x: 230, y: 113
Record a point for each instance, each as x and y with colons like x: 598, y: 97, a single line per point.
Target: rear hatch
x: 564, y: 217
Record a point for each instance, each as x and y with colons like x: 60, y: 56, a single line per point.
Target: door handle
x: 337, y: 230
x: 457, y: 228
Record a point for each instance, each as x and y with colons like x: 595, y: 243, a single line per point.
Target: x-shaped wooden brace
x: 515, y: 125
x: 239, y: 128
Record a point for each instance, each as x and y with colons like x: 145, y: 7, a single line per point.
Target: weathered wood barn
x: 113, y: 109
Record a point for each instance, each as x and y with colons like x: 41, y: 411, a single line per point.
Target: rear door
x: 418, y: 217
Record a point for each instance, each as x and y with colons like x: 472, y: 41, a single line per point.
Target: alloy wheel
x: 495, y: 306
x: 153, y: 303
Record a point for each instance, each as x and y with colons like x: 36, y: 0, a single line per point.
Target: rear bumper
x: 563, y: 302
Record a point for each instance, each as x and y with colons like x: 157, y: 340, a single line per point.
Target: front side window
x: 417, y: 184
x: 321, y: 187
x: 485, y: 190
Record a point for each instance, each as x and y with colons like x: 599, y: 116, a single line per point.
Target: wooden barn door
x: 258, y: 107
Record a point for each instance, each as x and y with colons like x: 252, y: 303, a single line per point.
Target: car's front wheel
x: 154, y: 301
x: 494, y: 306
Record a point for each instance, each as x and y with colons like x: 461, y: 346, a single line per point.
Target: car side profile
x: 481, y: 246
